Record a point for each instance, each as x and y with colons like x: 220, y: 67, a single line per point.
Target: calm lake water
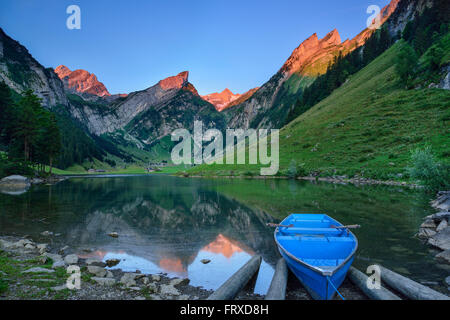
x: 169, y: 224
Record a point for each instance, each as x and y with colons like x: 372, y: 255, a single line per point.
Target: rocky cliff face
x: 81, y: 81
x: 268, y: 107
x: 20, y: 71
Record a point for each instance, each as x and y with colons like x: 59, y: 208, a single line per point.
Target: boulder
x: 442, y: 202
x: 156, y: 277
x: 129, y: 279
x: 71, y: 259
x: 441, y: 239
x: 444, y: 257
x: 54, y: 257
x: 178, y: 281
x: 14, y: 185
x: 442, y: 225
x: 6, y: 244
x: 428, y: 224
x: 425, y: 233
x: 97, y: 271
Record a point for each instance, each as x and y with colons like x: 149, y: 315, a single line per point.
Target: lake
x: 169, y: 224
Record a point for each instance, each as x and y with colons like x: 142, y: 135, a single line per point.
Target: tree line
x: 29, y: 134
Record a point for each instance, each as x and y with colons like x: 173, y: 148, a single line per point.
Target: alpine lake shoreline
x: 37, y: 269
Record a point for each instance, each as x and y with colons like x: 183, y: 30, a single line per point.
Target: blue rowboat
x: 318, y: 253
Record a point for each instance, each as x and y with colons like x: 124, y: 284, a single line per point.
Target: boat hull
x: 314, y: 282
x: 317, y: 253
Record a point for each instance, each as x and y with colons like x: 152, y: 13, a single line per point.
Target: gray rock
x: 428, y: 224
x: 59, y: 288
x: 109, y: 274
x: 30, y: 246
x: 425, y: 233
x: 178, y: 281
x: 134, y: 288
x: 139, y: 298
x: 183, y: 297
x: 71, y: 259
x: 97, y: 271
x: 447, y: 280
x: 169, y: 290
x: 42, y: 247
x: 129, y: 279
x: 38, y: 270
x: 63, y: 249
x: 59, y: 264
x: 441, y: 239
x: 442, y: 225
x: 441, y: 215
x: 95, y: 262
x: 6, y: 244
x: 54, y: 257
x: 104, y: 281
x: 145, y: 280
x: 444, y: 257
x: 46, y: 233
x: 156, y: 277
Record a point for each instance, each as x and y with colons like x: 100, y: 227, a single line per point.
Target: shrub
x: 432, y: 174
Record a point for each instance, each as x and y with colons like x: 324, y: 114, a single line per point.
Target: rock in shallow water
x: 441, y: 239
x: 444, y: 257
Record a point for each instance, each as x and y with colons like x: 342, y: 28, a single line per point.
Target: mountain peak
x: 175, y: 82
x: 332, y: 38
x: 81, y: 81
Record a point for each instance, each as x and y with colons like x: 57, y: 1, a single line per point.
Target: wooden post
x: 237, y: 281
x: 410, y: 288
x: 277, y: 289
x: 360, y: 280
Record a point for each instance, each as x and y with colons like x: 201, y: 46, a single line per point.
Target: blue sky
x: 131, y: 45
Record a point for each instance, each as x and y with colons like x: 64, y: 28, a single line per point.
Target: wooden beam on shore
x: 277, y: 289
x: 360, y: 280
x: 410, y: 288
x: 237, y: 281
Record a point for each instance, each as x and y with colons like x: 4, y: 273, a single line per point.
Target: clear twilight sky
x: 132, y: 44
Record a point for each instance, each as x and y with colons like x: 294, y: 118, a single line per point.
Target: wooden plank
x: 410, y: 288
x: 277, y: 289
x: 360, y: 280
x: 237, y: 281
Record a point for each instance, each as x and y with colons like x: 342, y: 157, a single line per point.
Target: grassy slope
x: 368, y: 125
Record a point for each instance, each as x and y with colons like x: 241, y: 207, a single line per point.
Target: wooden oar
x: 274, y: 225
x: 353, y: 226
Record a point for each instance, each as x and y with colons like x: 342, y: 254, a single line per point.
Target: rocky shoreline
x: 357, y: 180
x: 435, y: 230
x: 35, y: 270
x: 17, y: 185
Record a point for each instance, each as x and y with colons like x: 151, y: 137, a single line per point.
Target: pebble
x: 113, y: 234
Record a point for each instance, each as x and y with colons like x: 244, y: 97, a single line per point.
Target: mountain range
x: 138, y: 124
